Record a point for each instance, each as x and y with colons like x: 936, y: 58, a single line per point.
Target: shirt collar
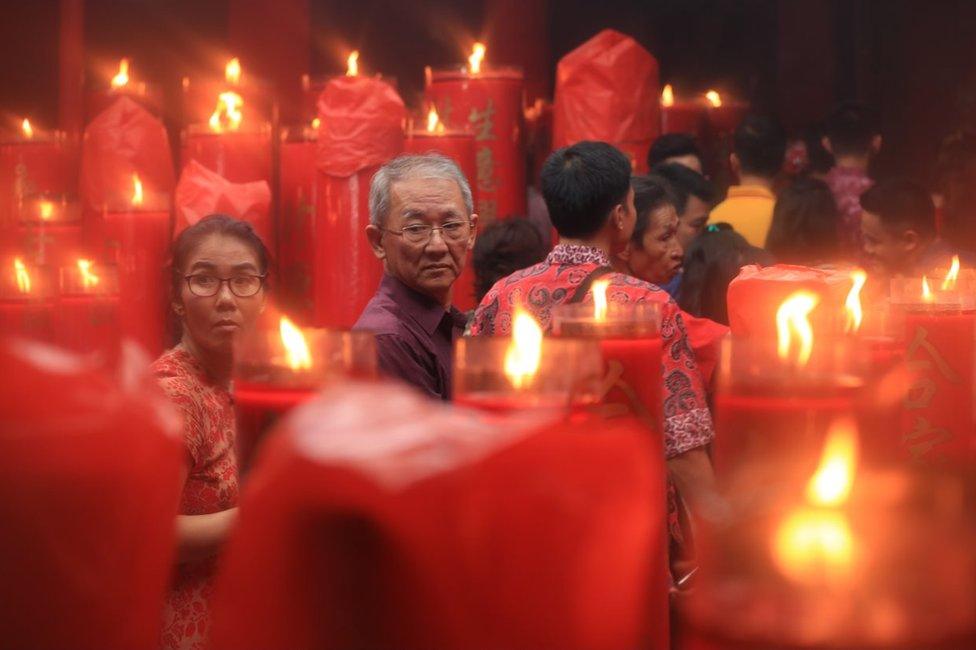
x: 750, y: 191
x: 577, y: 254
x: 427, y: 312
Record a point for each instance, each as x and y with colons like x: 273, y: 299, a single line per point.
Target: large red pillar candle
x: 724, y: 114
x: 87, y: 312
x: 488, y: 103
x: 361, y: 128
x: 32, y: 163
x: 607, y: 89
x: 460, y: 147
x: 680, y: 115
x: 138, y: 236
x: 50, y: 230
x: 283, y: 365
x: 239, y: 156
x: 296, y: 227
x: 27, y: 298
x: 422, y: 527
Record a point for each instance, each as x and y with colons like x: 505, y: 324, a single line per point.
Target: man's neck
x: 859, y: 163
x: 443, y: 299
x: 600, y: 242
x: 753, y: 180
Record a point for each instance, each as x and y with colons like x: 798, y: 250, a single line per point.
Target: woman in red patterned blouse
x: 219, y: 268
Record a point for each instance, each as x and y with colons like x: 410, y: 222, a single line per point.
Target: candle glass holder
x: 568, y: 376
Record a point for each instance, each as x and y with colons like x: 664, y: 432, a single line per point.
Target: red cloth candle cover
x: 121, y: 84
x: 460, y: 147
x: 296, y: 228
x: 31, y: 166
x: 27, y: 299
x: 87, y: 313
x: 361, y: 128
x: 432, y: 529
x: 487, y: 104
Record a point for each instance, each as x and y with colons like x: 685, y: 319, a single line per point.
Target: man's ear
x: 910, y: 241
x: 617, y: 216
x: 825, y: 143
x: 474, y: 231
x: 374, y: 236
x: 876, y: 142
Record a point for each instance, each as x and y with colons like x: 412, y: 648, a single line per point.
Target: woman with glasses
x: 219, y: 267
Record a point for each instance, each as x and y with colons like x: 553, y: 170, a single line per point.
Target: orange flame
x: 296, y: 349
x: 667, y: 96
x: 352, y: 64
x: 27, y: 129
x: 88, y: 278
x: 227, y: 116
x: 524, y: 353
x: 22, y: 276
x: 792, y: 319
x: 476, y: 58
x: 121, y: 78
x: 855, y: 314
x: 45, y: 210
x: 434, y: 124
x: 832, y: 482
x: 713, y: 98
x: 232, y: 71
x: 927, y: 295
x: 137, y: 193
x: 952, y: 275
x: 316, y: 123
x: 600, y: 299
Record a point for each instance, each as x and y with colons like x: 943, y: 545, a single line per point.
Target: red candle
x: 138, y: 237
x: 122, y: 84
x: 296, y: 232
x: 50, y: 230
x: 32, y: 163
x: 87, y: 313
x: 680, y: 115
x: 724, y: 114
x: 238, y: 156
x: 459, y: 146
x: 26, y: 300
x: 488, y: 104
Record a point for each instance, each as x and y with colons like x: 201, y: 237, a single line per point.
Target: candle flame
x: 600, y: 299
x: 476, y: 58
x: 22, y: 276
x: 927, y: 295
x: 524, y: 354
x: 227, y: 116
x: 316, y: 123
x: 352, y: 64
x: 45, y: 210
x: 832, y: 482
x: 952, y: 275
x: 667, y: 96
x: 855, y: 314
x: 26, y: 127
x: 137, y: 194
x: 296, y: 349
x: 121, y: 78
x: 88, y: 278
x: 232, y: 71
x: 792, y: 319
x: 434, y: 124
x: 713, y: 98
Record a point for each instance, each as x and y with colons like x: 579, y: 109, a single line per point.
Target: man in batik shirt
x: 591, y: 204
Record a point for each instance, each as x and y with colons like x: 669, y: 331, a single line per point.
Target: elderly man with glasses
x: 422, y: 225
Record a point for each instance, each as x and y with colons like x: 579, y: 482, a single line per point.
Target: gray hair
x: 430, y: 165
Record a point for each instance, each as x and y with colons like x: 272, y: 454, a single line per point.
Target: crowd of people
x: 663, y: 237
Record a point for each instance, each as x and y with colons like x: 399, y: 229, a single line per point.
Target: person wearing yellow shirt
x: 759, y: 146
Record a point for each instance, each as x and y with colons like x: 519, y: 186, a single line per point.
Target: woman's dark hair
x: 214, y: 224
x: 672, y: 145
x: 581, y: 184
x: 760, y: 144
x: 806, y: 224
x: 710, y: 264
x: 503, y: 248
x: 650, y: 193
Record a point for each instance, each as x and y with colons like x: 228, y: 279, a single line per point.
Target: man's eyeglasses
x: 420, y: 233
x: 206, y: 286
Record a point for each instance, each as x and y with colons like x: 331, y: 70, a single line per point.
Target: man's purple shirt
x: 414, y: 336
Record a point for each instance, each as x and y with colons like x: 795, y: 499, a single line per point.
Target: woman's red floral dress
x: 211, y: 485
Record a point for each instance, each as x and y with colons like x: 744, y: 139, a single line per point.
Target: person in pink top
x: 851, y: 135
x: 218, y: 284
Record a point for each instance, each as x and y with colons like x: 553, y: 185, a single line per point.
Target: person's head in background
x: 503, y: 248
x: 805, y: 227
x: 711, y: 263
x: 653, y: 253
x: 693, y: 199
x: 898, y: 225
x: 852, y: 135
x: 679, y: 148
x: 819, y: 160
x: 587, y: 190
x: 758, y: 148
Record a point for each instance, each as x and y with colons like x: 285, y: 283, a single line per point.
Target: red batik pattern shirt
x: 211, y: 486
x: 539, y: 288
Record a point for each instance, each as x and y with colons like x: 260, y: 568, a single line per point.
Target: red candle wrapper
x: 90, y: 469
x: 361, y: 128
x: 31, y: 167
x: 423, y: 527
x: 202, y: 192
x: 489, y: 105
x: 607, y: 89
